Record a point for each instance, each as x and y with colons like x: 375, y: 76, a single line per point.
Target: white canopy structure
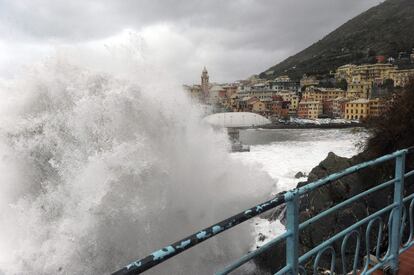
x: 236, y: 120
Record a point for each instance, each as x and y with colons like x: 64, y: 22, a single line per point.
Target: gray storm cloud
x: 235, y: 39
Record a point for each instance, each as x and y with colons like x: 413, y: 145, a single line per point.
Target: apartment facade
x: 310, y: 109
x: 357, y: 109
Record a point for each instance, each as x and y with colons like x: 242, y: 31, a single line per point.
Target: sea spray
x: 97, y: 170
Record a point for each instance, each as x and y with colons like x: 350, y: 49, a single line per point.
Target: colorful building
x: 345, y: 72
x: 322, y: 94
x: 292, y: 98
x: 280, y: 108
x: 370, y: 72
x: 338, y: 107
x: 357, y: 109
x: 308, y: 81
x: 283, y: 78
x: 363, y: 73
x: 259, y: 107
x: 377, y: 107
x: 401, y: 77
x: 359, y: 89
x: 310, y: 109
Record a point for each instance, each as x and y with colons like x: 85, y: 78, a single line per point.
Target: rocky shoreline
x: 327, y: 196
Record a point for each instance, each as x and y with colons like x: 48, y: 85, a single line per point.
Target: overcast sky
x: 232, y: 38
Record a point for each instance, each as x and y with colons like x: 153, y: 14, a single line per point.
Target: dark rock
x: 329, y: 195
x: 278, y: 213
x: 272, y: 259
x: 299, y: 175
x: 262, y: 237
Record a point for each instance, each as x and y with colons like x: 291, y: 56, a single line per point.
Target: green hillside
x: 386, y: 29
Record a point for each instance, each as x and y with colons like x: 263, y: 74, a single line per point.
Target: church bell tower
x: 205, y: 83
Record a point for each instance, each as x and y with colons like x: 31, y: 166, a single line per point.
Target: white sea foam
x: 290, y: 152
x: 97, y: 171
x: 299, y: 150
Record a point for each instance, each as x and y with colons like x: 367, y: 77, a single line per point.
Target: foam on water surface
x: 282, y: 153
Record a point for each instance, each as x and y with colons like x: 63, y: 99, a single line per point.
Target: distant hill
x: 386, y: 29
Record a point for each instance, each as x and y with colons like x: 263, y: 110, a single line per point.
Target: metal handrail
x: 176, y: 248
x: 294, y: 261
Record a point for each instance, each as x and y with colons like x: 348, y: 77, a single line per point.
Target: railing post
x: 292, y: 241
x: 395, y: 240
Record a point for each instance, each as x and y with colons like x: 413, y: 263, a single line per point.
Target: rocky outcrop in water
x: 299, y: 175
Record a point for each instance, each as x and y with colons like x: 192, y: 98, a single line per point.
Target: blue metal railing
x: 294, y: 262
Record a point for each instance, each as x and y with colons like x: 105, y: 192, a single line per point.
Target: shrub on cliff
x: 394, y: 129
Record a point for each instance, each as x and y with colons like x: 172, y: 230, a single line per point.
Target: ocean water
x: 284, y: 152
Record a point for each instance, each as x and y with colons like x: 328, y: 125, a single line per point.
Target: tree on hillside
x: 342, y: 84
x: 394, y: 129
